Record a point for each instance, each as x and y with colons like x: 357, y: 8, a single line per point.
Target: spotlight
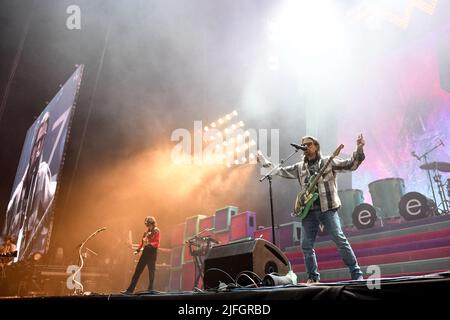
x: 251, y: 156
x: 235, y: 113
x: 213, y: 125
x: 241, y: 123
x: 206, y: 128
x: 220, y: 121
x: 228, y: 117
x: 236, y: 161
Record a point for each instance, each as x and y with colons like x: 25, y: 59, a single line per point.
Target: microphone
x: 442, y: 143
x: 299, y: 147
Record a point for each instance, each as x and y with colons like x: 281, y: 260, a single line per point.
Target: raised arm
x: 356, y: 159
x: 289, y: 172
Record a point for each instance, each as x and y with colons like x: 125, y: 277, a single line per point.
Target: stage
x: 222, y: 145
x: 390, y: 296
x: 426, y: 287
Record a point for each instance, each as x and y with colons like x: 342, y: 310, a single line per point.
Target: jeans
x: 332, y: 224
x: 148, y: 258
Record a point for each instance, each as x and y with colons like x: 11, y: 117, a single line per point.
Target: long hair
x: 150, y: 220
x: 316, y: 143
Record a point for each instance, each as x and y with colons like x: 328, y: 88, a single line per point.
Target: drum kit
x: 390, y: 202
x: 434, y: 168
x: 437, y: 167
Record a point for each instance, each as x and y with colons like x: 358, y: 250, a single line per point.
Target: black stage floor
x: 426, y: 287
x: 402, y: 296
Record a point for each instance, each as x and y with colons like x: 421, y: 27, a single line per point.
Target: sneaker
x: 126, y: 292
x: 311, y: 281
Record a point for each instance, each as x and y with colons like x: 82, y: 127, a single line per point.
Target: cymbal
x: 440, y: 166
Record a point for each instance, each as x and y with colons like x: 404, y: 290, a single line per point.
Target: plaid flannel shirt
x: 327, y: 186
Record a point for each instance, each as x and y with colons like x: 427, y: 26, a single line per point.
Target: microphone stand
x: 81, y: 290
x: 268, y: 176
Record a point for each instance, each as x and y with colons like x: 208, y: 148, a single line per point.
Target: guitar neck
x: 317, y: 177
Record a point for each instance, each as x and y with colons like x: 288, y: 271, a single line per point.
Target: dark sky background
x: 165, y: 64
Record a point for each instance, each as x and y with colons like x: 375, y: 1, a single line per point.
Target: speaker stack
x: 243, y: 263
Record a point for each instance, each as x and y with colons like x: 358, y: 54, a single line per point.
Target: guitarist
x: 324, y: 209
x: 149, y: 246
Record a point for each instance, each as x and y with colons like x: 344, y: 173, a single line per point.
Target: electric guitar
x: 306, y: 198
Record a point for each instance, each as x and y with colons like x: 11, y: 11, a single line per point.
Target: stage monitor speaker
x: 244, y: 259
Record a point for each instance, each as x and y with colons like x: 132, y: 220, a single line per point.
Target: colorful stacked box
x: 176, y: 257
x: 187, y: 254
x: 243, y: 225
x: 188, y: 277
x: 192, y: 226
x: 222, y: 223
x: 175, y: 279
x: 177, y: 237
x: 222, y: 237
x: 206, y: 227
x: 264, y: 233
x: 222, y: 218
x: 288, y: 235
x: 192, y: 229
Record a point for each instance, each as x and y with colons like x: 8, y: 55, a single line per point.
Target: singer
x: 324, y: 209
x: 149, y: 246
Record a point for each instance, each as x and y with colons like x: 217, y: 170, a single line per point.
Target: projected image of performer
x: 32, y: 198
x: 149, y: 246
x: 6, y: 254
x: 324, y: 209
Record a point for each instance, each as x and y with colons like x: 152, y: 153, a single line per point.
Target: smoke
x: 150, y: 184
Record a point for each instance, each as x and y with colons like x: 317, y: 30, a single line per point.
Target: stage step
x: 430, y: 224
x: 376, y: 251
x: 387, y: 269
x: 409, y: 238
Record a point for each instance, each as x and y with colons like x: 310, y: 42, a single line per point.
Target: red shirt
x: 150, y: 238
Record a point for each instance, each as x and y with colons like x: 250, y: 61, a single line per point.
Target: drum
x: 365, y: 216
x: 415, y: 205
x: 386, y: 195
x: 350, y: 198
